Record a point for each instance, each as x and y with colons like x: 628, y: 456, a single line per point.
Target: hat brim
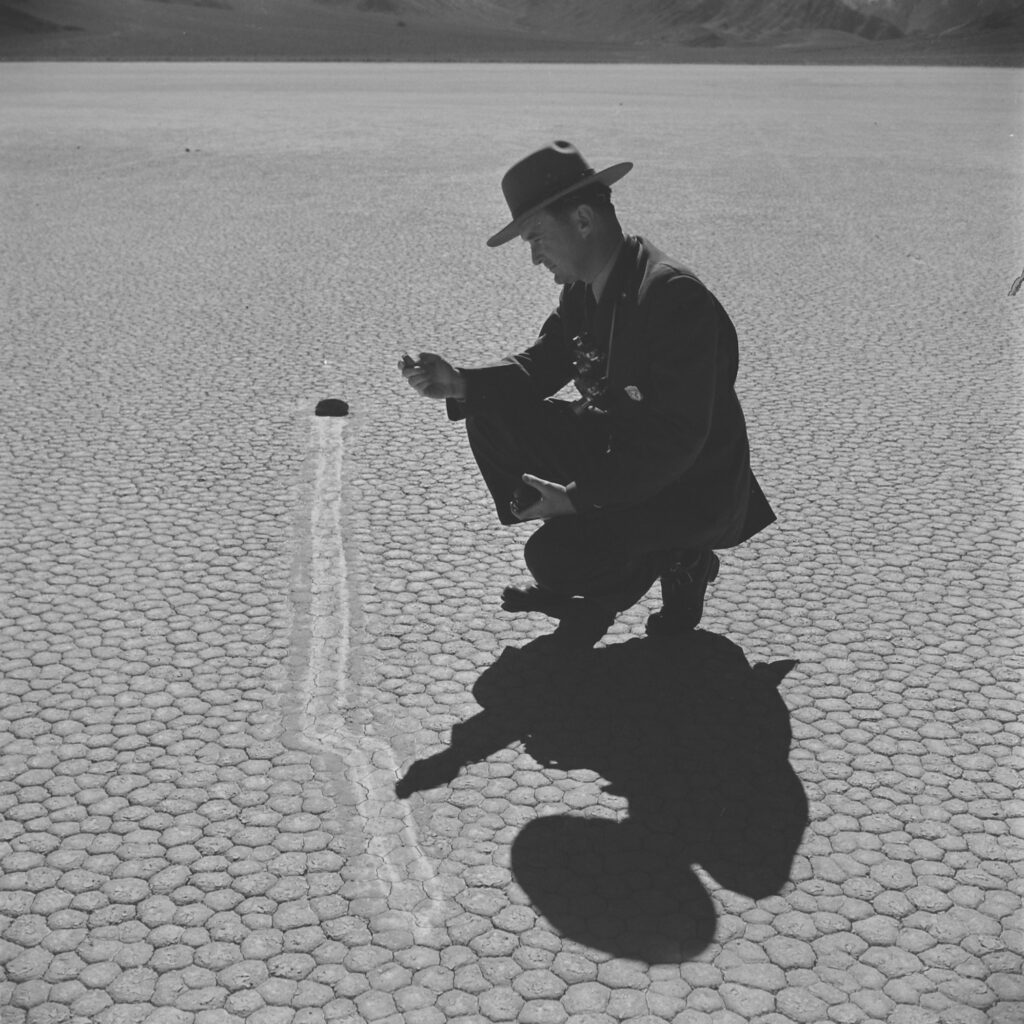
x: 608, y: 176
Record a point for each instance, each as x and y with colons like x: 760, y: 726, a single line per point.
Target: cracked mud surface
x: 228, y: 629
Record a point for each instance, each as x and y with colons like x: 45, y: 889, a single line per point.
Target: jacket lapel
x: 625, y: 358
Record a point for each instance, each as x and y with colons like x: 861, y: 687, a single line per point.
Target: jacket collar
x: 599, y: 285
x: 626, y: 278
x: 624, y: 281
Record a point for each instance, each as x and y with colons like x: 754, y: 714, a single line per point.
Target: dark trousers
x: 604, y: 555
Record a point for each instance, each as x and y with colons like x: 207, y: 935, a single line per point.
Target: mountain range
x: 847, y: 31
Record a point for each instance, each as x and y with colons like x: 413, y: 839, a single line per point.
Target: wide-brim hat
x: 544, y: 176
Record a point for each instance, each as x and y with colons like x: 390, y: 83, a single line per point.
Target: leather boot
x: 683, y: 587
x: 535, y: 599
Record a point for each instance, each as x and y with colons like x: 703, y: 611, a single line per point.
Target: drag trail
x: 316, y: 707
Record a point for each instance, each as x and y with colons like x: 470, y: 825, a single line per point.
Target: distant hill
x: 809, y: 31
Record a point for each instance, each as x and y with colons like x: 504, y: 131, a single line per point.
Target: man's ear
x: 583, y: 219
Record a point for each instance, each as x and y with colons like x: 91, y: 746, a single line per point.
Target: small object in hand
x: 407, y: 362
x: 523, y: 497
x: 331, y: 407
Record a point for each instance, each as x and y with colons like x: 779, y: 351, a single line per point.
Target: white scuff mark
x: 324, y: 697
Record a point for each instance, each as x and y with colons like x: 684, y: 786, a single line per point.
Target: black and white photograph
x: 512, y: 511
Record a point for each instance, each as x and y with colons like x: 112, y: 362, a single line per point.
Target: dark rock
x: 331, y: 407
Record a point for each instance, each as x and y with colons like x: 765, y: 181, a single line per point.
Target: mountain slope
x: 936, y: 17
x: 736, y: 20
x: 944, y: 31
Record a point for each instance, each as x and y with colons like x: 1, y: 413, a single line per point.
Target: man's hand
x: 433, y: 376
x: 554, y: 501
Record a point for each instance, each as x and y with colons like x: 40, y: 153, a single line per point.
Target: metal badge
x: 633, y: 392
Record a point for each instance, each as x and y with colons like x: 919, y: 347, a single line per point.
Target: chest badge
x: 633, y: 392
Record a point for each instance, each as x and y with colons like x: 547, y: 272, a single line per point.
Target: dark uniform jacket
x: 677, y: 455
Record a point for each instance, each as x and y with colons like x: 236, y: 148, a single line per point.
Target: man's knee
x: 477, y: 430
x: 491, y: 439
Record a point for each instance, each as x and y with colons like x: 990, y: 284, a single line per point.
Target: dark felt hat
x: 544, y: 176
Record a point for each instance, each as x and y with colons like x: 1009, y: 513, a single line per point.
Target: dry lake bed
x: 228, y: 628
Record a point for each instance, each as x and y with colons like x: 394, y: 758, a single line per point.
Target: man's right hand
x: 434, y: 377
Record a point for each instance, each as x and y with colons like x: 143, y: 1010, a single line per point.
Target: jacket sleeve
x: 542, y: 370
x: 657, y: 436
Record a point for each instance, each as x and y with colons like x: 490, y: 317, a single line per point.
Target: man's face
x: 556, y: 243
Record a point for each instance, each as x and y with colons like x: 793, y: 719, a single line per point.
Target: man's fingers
x: 418, y: 378
x: 554, y: 499
x: 423, y: 362
x: 538, y: 508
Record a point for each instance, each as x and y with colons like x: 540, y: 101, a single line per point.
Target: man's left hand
x: 554, y: 501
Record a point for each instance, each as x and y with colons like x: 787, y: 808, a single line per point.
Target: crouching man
x: 647, y: 472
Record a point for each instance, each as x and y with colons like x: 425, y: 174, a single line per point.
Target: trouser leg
x: 610, y: 558
x: 544, y: 438
x: 614, y: 557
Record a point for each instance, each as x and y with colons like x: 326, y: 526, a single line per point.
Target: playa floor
x: 229, y: 629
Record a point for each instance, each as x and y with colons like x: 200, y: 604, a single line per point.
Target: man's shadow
x: 696, y: 741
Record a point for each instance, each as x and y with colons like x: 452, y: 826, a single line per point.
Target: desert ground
x: 229, y: 629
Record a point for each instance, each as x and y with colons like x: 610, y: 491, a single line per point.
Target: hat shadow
x: 690, y: 735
